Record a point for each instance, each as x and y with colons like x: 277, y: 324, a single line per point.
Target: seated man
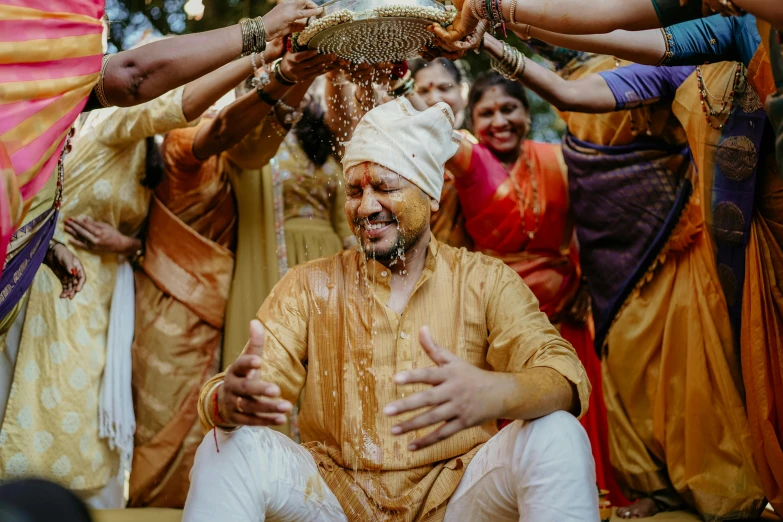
x: 343, y: 329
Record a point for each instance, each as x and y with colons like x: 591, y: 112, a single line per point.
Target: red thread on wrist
x: 217, y: 418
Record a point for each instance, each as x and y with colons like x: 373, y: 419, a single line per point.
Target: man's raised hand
x: 462, y: 395
x: 244, y: 399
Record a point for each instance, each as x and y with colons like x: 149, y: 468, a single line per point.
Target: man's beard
x: 406, y: 239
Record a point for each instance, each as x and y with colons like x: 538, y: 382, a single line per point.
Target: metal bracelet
x: 100, y: 93
x: 281, y: 78
x: 253, y: 35
x: 292, y: 115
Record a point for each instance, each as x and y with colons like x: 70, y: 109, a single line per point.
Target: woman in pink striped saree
x: 51, y: 69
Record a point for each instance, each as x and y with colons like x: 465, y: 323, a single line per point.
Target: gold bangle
x: 100, y: 93
x: 667, y: 53
x: 206, y: 403
x: 523, y: 63
x: 253, y: 35
x: 527, y: 36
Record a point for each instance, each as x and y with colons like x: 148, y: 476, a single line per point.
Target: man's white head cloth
x: 414, y: 144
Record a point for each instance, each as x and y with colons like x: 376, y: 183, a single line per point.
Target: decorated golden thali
x: 374, y: 31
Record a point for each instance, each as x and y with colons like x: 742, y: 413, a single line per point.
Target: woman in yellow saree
x: 733, y: 150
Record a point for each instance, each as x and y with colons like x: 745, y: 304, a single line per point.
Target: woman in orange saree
x: 514, y: 196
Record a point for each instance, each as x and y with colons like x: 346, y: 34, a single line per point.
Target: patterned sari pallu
x: 50, y: 60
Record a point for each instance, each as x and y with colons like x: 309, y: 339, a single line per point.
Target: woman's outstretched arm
x: 645, y: 47
x: 562, y: 16
x: 589, y: 94
x: 142, y: 74
x: 234, y: 122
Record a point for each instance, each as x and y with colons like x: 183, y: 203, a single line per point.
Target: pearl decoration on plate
x: 390, y: 33
x: 321, y: 24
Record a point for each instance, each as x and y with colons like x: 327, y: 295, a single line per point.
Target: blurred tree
x: 130, y: 20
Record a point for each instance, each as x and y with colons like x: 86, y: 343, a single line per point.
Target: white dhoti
x: 532, y: 471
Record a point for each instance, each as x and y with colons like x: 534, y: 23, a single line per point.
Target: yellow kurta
x: 329, y: 332
x: 314, y: 204
x: 51, y: 423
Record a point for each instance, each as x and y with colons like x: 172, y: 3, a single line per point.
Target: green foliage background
x: 130, y: 19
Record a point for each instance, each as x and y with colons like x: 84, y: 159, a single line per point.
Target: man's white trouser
x: 534, y: 471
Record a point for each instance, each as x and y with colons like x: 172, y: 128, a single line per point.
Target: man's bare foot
x: 642, y: 508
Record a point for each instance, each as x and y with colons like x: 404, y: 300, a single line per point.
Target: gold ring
x: 239, y: 407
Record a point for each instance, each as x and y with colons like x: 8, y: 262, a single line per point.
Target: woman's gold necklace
x: 726, y: 104
x: 521, y: 200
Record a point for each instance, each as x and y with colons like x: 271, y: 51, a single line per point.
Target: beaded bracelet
x: 280, y: 77
x: 499, y: 16
x: 494, y: 13
x: 512, y: 11
x: 479, y: 7
x: 474, y: 11
x: 260, y: 80
x: 292, y: 116
x: 488, y: 13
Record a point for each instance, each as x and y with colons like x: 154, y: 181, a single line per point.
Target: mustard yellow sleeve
x: 285, y: 315
x: 521, y: 336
